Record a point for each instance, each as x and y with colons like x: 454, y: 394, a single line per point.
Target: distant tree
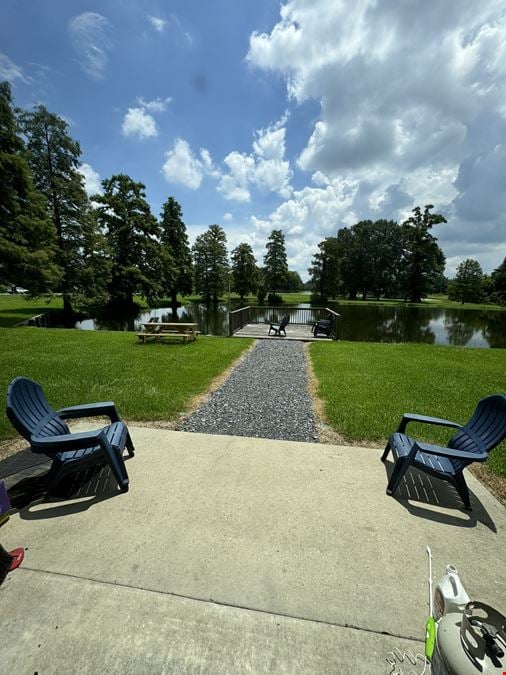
x: 423, y: 260
x: 261, y: 294
x: 370, y: 255
x: 324, y: 272
x: 211, y: 264
x: 441, y: 284
x: 138, y: 263
x: 173, y: 236
x: 275, y: 262
x: 351, y: 265
x: 54, y: 161
x: 467, y: 285
x: 244, y: 270
x: 487, y: 289
x: 294, y: 283
x: 384, y: 259
x: 499, y: 284
x: 27, y: 235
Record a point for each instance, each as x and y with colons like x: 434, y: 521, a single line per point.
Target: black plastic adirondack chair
x: 48, y: 433
x: 324, y: 326
x: 280, y: 327
x: 472, y: 443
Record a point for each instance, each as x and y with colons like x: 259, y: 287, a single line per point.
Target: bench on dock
x: 157, y: 331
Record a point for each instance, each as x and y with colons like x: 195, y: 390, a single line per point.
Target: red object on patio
x: 17, y: 555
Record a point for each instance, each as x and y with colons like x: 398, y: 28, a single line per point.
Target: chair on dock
x: 280, y: 327
x: 472, y: 443
x: 48, y: 433
x: 325, y: 326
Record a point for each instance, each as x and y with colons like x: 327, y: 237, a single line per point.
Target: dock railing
x: 298, y: 315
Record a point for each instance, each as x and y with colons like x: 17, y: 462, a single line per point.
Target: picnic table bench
x: 157, y: 331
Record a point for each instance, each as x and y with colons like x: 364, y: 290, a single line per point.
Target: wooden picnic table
x: 187, y: 331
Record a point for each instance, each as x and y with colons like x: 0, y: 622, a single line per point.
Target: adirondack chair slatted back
x: 285, y: 320
x: 486, y: 428
x: 28, y: 410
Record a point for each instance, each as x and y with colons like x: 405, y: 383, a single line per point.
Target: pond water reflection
x: 362, y: 323
x: 456, y: 327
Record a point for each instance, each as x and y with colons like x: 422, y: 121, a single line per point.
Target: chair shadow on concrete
x: 74, y: 494
x: 424, y: 496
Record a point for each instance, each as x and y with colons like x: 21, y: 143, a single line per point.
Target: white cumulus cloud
x: 92, y: 182
x: 183, y: 167
x: 157, y: 23
x: 157, y: 105
x: 411, y: 112
x: 90, y: 36
x: 264, y: 169
x: 139, y: 120
x: 139, y: 123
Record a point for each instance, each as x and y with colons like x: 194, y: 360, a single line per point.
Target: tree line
x: 383, y: 258
x: 101, y: 251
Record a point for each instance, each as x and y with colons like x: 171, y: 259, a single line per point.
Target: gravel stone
x: 266, y: 396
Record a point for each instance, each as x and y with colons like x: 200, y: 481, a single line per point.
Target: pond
x: 362, y: 323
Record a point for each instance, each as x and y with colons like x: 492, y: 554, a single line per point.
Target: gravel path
x: 266, y: 396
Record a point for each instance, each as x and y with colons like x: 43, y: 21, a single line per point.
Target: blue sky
x: 306, y: 116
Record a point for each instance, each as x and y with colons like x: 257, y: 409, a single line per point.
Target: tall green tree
x: 370, y: 254
x: 350, y: 262
x: 138, y: 263
x: 467, y: 285
x: 275, y: 262
x: 54, y: 161
x: 27, y: 235
x: 294, y: 283
x: 244, y: 270
x: 385, y: 258
x: 423, y: 260
x: 173, y: 236
x: 325, y: 272
x: 499, y: 284
x: 211, y: 264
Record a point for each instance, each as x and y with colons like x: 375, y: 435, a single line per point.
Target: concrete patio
x: 239, y: 555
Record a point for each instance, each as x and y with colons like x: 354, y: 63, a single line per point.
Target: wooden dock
x: 294, y: 331
x: 253, y: 321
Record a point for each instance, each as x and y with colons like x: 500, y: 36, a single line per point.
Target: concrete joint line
x: 210, y: 601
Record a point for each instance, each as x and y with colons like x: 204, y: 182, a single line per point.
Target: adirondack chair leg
x: 400, y: 468
x: 462, y: 489
x: 401, y: 429
x: 385, y: 452
x: 130, y: 445
x: 117, y: 465
x: 54, y: 476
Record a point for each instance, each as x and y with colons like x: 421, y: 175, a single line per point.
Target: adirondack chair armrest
x: 451, y: 453
x: 425, y: 419
x: 53, y: 444
x: 105, y: 408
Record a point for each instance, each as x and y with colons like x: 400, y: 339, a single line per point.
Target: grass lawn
x: 439, y: 301
x: 17, y: 308
x: 148, y: 382
x: 367, y: 386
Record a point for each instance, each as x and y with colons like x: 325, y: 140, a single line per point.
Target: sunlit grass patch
x: 148, y: 382
x: 367, y: 386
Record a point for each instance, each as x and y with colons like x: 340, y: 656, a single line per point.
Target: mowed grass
x: 148, y: 382
x: 366, y: 387
x: 17, y: 308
